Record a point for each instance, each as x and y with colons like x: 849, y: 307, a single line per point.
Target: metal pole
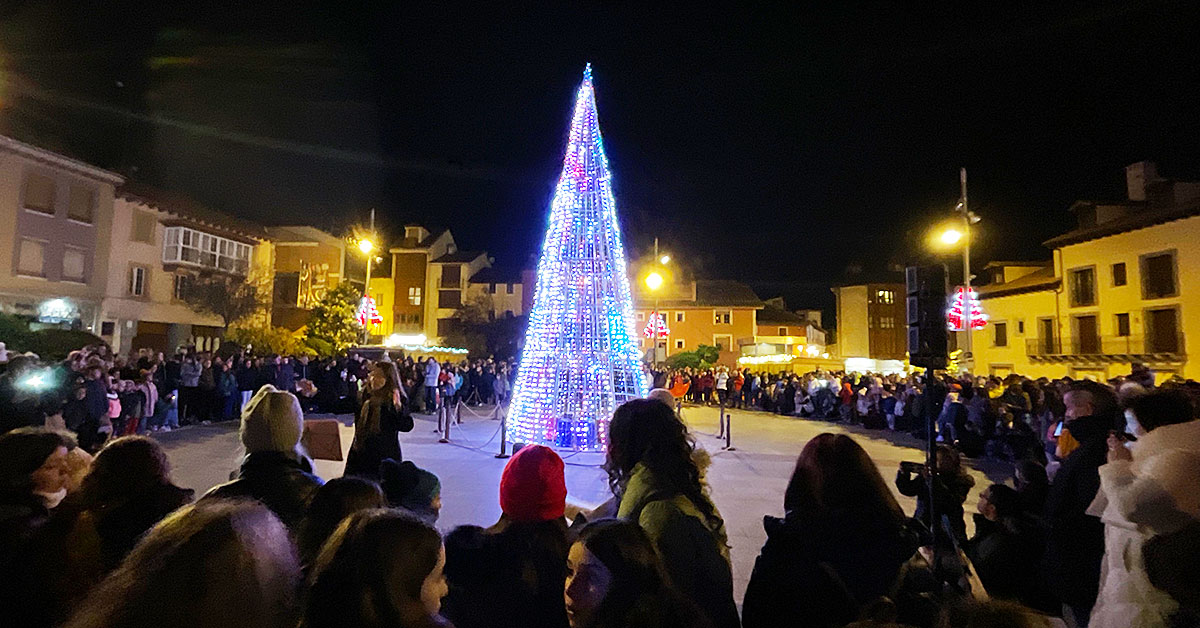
x: 969, y: 356
x: 503, y: 433
x: 367, y: 281
x: 446, y: 435
x: 728, y: 430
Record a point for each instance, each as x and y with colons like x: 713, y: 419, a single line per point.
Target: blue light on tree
x: 581, y: 358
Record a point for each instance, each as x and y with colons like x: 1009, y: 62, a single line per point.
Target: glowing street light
x: 366, y: 246
x: 666, y: 259
x: 951, y: 236
x: 654, y: 280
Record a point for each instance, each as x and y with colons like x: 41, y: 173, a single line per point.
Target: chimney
x: 1137, y: 177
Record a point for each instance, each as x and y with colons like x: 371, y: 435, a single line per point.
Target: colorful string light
x: 581, y: 357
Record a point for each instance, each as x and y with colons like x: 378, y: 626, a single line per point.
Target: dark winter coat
x: 949, y: 493
x: 247, y: 378
x: 508, y: 579
x: 283, y: 482
x: 821, y: 572
x: 285, y: 377
x: 376, y: 437
x: 1006, y: 555
x: 1075, y: 540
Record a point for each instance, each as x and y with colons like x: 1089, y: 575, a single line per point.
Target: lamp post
x: 951, y: 237
x: 654, y: 282
x: 367, y: 246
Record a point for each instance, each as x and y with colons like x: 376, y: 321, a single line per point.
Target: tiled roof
x: 497, y: 275
x: 1136, y: 219
x: 711, y: 293
x: 1043, y: 279
x: 775, y: 316
x: 185, y: 207
x: 458, y: 257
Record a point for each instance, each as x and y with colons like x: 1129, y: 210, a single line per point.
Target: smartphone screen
x: 1058, y: 430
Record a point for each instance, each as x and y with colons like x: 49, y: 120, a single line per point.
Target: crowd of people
x: 99, y: 395
x: 1100, y: 524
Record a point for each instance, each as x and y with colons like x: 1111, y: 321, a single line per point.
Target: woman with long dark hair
x: 652, y: 471
x: 383, y: 415
x: 840, y: 544
x: 333, y: 502
x: 380, y: 569
x: 615, y: 579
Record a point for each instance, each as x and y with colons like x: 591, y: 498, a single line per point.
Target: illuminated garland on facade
x: 581, y: 357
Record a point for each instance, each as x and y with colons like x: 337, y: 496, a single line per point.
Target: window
x: 678, y: 317
x: 452, y: 276
x: 782, y: 331
x: 1123, y: 324
x: 722, y: 317
x: 195, y: 248
x: 82, y: 202
x: 414, y: 295
x: 723, y: 341
x: 181, y: 287
x: 641, y: 316
x: 450, y: 299
x: 445, y: 326
x: 1021, y: 327
x: 143, y: 227
x: 887, y: 297
x: 508, y: 289
x: 137, y: 281
x: 74, y: 261
x: 887, y: 322
x: 491, y: 288
x: 1158, y: 276
x: 679, y: 343
x: 39, y: 193
x: 107, y: 328
x: 1118, y: 274
x: 1083, y: 287
x: 1001, y: 334
x: 32, y: 258
x: 508, y: 313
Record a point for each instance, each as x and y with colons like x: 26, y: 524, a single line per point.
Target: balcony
x: 1160, y: 348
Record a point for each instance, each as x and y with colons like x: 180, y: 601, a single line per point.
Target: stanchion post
x: 728, y: 433
x: 721, y: 421
x: 446, y: 434
x: 503, y: 416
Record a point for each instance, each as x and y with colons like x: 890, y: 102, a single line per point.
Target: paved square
x: 747, y: 483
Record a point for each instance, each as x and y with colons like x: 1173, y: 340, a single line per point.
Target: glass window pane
x: 32, y: 258
x: 73, y: 264
x: 39, y: 193
x: 82, y: 201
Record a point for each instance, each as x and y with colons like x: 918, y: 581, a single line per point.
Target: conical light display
x: 581, y: 358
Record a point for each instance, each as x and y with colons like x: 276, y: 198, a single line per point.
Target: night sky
x: 760, y: 145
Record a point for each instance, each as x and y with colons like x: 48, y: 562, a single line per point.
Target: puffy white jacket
x: 1155, y: 493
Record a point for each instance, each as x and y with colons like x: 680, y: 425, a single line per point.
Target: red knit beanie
x: 532, y: 487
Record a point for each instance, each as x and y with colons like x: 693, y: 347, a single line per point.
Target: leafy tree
x: 703, y: 357
x: 333, y: 320
x: 268, y: 340
x: 467, y: 327
x: 228, y: 298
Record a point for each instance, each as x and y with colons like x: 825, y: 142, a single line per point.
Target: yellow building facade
x: 1123, y: 288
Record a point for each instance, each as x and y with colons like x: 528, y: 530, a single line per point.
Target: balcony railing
x: 1106, y: 347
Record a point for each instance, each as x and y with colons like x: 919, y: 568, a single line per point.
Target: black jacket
x: 371, y: 448
x: 1006, y: 556
x: 282, y: 481
x: 1075, y: 540
x: 820, y: 573
x: 949, y: 493
x: 510, y: 579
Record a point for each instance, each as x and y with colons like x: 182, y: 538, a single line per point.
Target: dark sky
x: 764, y: 145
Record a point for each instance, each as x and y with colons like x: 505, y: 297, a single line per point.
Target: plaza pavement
x: 747, y: 482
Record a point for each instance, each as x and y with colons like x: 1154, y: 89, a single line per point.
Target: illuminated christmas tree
x: 581, y: 358
x: 656, y: 327
x: 955, y: 319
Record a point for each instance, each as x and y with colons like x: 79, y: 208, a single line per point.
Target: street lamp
x: 654, y: 281
x: 951, y: 236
